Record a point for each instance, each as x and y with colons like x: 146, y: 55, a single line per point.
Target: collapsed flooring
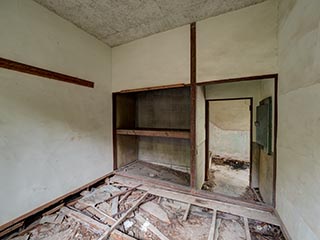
x: 125, y: 209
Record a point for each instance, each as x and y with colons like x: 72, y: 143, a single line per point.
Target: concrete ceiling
x: 116, y: 22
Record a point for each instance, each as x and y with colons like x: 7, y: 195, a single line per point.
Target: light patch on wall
x: 230, y: 115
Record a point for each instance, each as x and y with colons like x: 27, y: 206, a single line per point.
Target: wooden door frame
x: 208, y: 129
x: 271, y: 77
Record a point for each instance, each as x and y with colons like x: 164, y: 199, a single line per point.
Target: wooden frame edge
x: 207, y: 131
x: 238, y: 79
x: 154, y: 88
x: 114, y: 130
x: 275, y: 78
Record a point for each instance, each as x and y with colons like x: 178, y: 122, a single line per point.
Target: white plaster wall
x: 229, y: 129
x: 298, y: 178
x: 160, y: 59
x: 54, y: 136
x: 229, y: 143
x: 237, y: 44
x: 236, y: 90
x: 200, y: 136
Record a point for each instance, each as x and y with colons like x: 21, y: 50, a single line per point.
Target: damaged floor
x: 231, y: 178
x: 123, y: 208
x: 158, y: 172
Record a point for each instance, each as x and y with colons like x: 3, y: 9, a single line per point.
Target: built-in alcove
x: 153, y: 127
x: 152, y: 137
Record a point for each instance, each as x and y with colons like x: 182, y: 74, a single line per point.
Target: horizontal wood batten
x: 229, y: 80
x: 155, y: 133
x: 24, y: 68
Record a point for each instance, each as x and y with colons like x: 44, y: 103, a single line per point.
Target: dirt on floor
x: 134, y: 213
x: 149, y: 170
x: 230, y: 177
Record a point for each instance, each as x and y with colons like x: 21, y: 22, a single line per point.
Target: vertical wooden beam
x: 275, y: 136
x: 193, y: 94
x: 207, y: 163
x: 251, y: 141
x: 114, y: 130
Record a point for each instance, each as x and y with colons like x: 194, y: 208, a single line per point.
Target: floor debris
x: 230, y: 177
x: 119, y: 211
x: 154, y: 171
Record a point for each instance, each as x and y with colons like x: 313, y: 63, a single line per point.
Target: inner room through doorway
x: 229, y: 126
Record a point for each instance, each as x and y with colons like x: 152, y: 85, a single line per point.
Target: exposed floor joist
x: 144, y: 213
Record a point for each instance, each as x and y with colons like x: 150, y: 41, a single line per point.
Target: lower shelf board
x: 183, y: 134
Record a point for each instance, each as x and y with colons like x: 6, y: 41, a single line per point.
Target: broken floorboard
x: 211, y: 204
x: 138, y: 217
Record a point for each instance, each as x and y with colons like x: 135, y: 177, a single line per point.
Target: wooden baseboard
x: 27, y: 218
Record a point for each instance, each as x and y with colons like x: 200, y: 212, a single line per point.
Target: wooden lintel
x: 24, y: 68
x: 238, y: 79
x: 178, y: 85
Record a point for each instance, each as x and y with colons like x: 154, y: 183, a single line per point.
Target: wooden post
x: 193, y: 89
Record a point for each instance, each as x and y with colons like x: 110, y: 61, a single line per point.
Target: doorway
x: 229, y: 143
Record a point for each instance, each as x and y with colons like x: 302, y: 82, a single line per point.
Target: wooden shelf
x: 183, y: 134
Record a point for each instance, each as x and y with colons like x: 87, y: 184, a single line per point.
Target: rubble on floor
x: 230, y: 177
x: 233, y: 163
x: 264, y: 231
x: 154, y: 171
x: 126, y: 210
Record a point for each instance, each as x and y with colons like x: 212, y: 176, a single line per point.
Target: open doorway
x: 229, y: 135
x: 240, y: 139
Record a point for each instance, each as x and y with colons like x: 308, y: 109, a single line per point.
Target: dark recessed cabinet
x: 152, y: 126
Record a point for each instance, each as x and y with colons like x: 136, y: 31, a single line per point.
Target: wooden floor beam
x: 213, y: 226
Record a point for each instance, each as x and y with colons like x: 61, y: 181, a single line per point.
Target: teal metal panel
x: 264, y: 125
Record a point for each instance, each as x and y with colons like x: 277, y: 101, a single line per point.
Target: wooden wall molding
x: 24, y: 68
